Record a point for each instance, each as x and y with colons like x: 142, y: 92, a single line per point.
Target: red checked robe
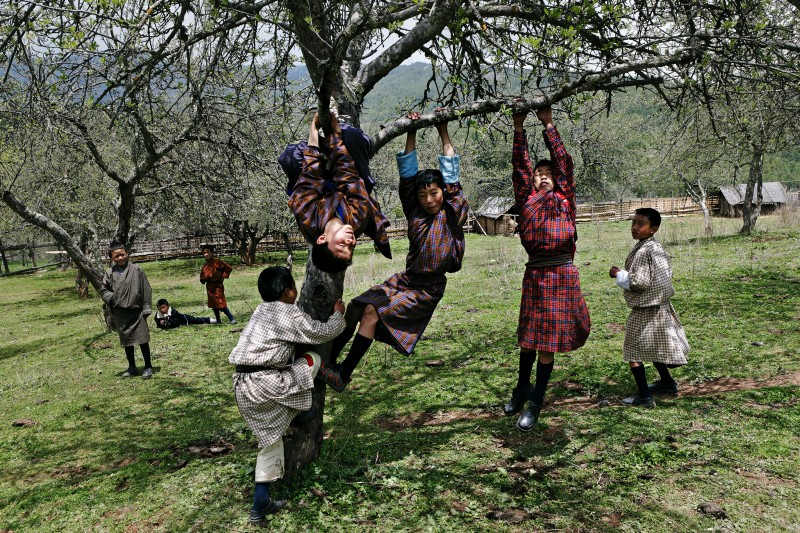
x: 553, y: 316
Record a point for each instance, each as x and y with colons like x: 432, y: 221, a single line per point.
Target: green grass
x: 411, y: 446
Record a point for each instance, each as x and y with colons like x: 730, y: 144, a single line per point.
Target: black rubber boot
x: 518, y: 396
x: 529, y: 417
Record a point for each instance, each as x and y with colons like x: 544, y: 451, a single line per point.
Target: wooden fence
x: 189, y: 246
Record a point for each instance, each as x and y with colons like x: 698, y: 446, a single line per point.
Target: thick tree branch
x: 64, y: 239
x: 604, y: 80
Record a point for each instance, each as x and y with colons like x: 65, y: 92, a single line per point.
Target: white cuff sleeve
x: 623, y: 280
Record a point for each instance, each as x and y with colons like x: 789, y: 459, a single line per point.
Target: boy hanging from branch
x: 331, y: 203
x: 553, y: 316
x: 397, y: 311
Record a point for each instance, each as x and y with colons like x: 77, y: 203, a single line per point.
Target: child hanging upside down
x: 271, y: 385
x: 397, y: 311
x: 213, y: 274
x: 653, y: 332
x: 167, y: 317
x: 331, y: 204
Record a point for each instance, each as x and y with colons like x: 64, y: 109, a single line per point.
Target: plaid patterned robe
x: 316, y: 199
x: 553, y: 316
x: 653, y: 332
x: 406, y: 301
x: 213, y: 273
x: 269, y: 399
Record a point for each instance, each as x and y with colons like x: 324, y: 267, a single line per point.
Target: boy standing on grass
x: 331, y: 203
x: 213, y: 274
x: 653, y: 332
x: 397, y: 311
x: 128, y: 296
x: 271, y: 385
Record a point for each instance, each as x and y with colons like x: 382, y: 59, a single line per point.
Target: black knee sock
x: 129, y: 357
x: 543, y: 371
x: 260, y: 497
x: 526, y: 359
x: 227, y: 314
x: 641, y: 380
x: 146, y: 354
x: 216, y: 315
x: 663, y: 372
x: 339, y: 343
x: 360, y: 346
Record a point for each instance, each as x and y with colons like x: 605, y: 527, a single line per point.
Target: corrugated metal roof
x: 495, y: 207
x: 773, y: 192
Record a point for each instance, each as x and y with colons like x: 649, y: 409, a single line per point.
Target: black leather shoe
x: 659, y: 387
x: 517, y: 400
x: 333, y: 377
x: 272, y: 507
x: 529, y: 417
x: 639, y: 401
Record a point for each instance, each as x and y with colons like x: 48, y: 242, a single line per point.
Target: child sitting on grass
x: 167, y: 317
x: 653, y: 332
x: 272, y: 385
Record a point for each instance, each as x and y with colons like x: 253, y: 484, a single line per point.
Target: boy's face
x: 340, y: 239
x: 119, y: 257
x: 289, y: 295
x: 163, y: 308
x: 431, y: 198
x: 641, y: 228
x: 543, y: 178
x: 208, y: 254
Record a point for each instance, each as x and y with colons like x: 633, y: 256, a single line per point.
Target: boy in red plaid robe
x: 331, y: 204
x: 397, y: 311
x: 553, y: 316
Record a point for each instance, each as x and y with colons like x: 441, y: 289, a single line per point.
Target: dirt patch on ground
x: 720, y: 385
x: 581, y: 403
x: 438, y: 418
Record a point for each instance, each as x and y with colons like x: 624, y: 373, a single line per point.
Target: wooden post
x: 3, y: 256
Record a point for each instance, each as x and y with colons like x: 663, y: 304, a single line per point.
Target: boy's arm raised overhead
x: 564, y: 179
x: 407, y: 168
x: 309, y: 188
x: 522, y: 175
x: 450, y: 167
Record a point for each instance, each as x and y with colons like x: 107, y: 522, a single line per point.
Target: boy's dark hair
x: 652, y: 215
x: 273, y: 281
x: 426, y: 177
x: 162, y: 301
x: 323, y: 259
x: 543, y: 163
x: 115, y: 245
x: 209, y: 247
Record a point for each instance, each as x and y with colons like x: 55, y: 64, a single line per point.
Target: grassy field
x: 417, y: 447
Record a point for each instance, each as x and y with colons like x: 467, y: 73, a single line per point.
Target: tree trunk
x: 32, y: 252
x: 288, y: 244
x: 3, y: 256
x: 751, y: 210
x: 125, y: 207
x: 81, y: 280
x: 708, y: 229
x: 320, y: 291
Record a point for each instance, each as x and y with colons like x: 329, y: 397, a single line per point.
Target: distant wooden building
x: 730, y: 199
x: 496, y: 216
